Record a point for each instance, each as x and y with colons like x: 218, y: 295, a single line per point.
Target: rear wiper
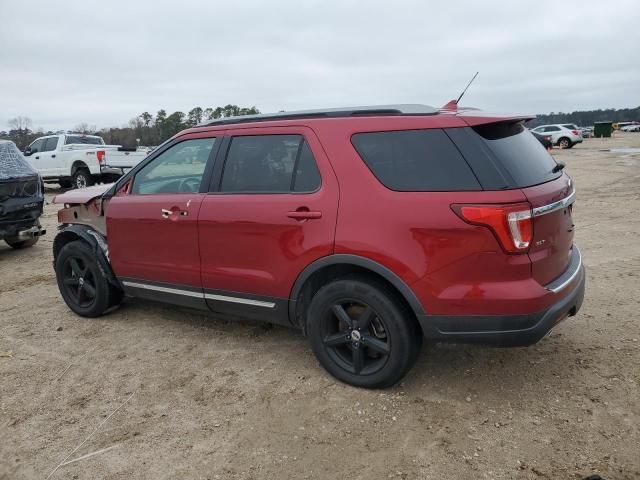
x: 559, y: 166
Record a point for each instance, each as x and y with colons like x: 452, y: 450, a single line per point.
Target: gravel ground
x: 212, y: 399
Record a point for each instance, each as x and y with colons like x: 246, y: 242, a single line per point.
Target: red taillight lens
x: 575, y: 132
x: 511, y: 223
x: 100, y: 155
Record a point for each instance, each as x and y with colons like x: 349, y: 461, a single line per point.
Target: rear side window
x: 83, y: 139
x: 518, y: 152
x: 269, y: 164
x: 415, y: 160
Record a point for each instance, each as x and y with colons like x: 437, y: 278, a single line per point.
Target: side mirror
x: 27, y: 152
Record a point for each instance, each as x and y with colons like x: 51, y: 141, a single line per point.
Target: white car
x: 564, y: 135
x: 630, y: 128
x: 76, y: 160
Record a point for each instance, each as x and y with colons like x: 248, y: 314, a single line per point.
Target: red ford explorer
x: 368, y: 228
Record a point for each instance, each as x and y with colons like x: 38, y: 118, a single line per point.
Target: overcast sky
x: 64, y: 62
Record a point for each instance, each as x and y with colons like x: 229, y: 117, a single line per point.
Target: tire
x: 66, y: 183
x: 80, y: 281
x: 13, y: 242
x: 389, y: 337
x: 564, y: 142
x: 82, y: 178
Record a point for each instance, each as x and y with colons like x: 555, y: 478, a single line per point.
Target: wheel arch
x: 340, y: 265
x: 78, y: 165
x: 96, y: 241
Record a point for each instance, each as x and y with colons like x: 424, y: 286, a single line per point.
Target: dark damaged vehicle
x: 21, y: 198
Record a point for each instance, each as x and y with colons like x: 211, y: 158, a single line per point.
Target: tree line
x: 145, y: 129
x: 149, y: 130
x: 586, y: 118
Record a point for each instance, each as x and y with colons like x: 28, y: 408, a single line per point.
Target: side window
x: 553, y: 129
x: 178, y: 169
x: 269, y: 164
x: 50, y: 144
x: 415, y: 160
x: 37, y: 146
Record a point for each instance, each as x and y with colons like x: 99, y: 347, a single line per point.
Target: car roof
x: 340, y: 112
x: 471, y: 116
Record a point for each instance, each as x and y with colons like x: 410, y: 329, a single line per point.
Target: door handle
x: 304, y: 214
x: 167, y: 213
x: 37, y: 158
x: 53, y: 156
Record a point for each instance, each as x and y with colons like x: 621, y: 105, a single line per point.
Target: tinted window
x: 50, y: 144
x: 518, y: 152
x: 552, y: 129
x: 570, y: 126
x: 269, y: 163
x: 37, y: 146
x: 179, y: 169
x: 83, y: 139
x: 306, y: 177
x: 415, y: 160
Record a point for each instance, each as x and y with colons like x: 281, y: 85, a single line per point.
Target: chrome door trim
x: 207, y: 296
x: 244, y: 301
x: 157, y: 288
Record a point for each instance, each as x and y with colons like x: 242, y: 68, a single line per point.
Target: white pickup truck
x: 76, y: 160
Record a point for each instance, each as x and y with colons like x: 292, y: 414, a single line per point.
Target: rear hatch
x: 525, y: 164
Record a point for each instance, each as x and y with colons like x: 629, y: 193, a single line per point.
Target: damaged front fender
x: 97, y: 241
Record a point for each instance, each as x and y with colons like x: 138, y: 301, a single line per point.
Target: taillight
x: 575, y: 132
x: 100, y: 155
x: 510, y: 223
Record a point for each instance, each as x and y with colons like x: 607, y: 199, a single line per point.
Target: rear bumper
x: 513, y: 330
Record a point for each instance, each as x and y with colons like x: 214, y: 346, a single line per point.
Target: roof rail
x: 380, y: 110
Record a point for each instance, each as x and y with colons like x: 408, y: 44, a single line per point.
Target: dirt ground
x: 210, y: 399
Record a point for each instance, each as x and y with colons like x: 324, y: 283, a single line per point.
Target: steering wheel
x: 189, y: 185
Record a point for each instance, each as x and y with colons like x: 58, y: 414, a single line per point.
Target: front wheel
x: 81, y: 283
x: 362, y: 334
x: 82, y: 178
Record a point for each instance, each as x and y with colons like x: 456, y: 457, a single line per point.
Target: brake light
x: 511, y: 224
x: 100, y: 155
x: 575, y: 132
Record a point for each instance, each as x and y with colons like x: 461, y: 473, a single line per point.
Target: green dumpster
x: 602, y: 129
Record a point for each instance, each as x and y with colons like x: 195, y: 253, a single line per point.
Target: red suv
x: 367, y: 228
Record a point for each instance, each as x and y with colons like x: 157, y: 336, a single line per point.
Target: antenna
x: 465, y: 88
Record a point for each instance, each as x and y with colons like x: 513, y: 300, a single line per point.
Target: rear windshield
x: 519, y: 153
x: 415, y: 160
x: 83, y: 139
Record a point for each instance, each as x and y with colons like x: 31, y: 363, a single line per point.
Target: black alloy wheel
x: 81, y: 281
x: 355, y: 337
x: 362, y: 333
x: 78, y: 281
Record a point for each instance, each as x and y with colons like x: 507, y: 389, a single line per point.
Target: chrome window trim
x: 208, y: 296
x: 557, y: 288
x: 552, y: 207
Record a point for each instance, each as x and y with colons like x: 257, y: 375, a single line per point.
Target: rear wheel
x: 82, y: 286
x: 564, y: 142
x: 362, y: 334
x: 82, y: 178
x: 16, y: 243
